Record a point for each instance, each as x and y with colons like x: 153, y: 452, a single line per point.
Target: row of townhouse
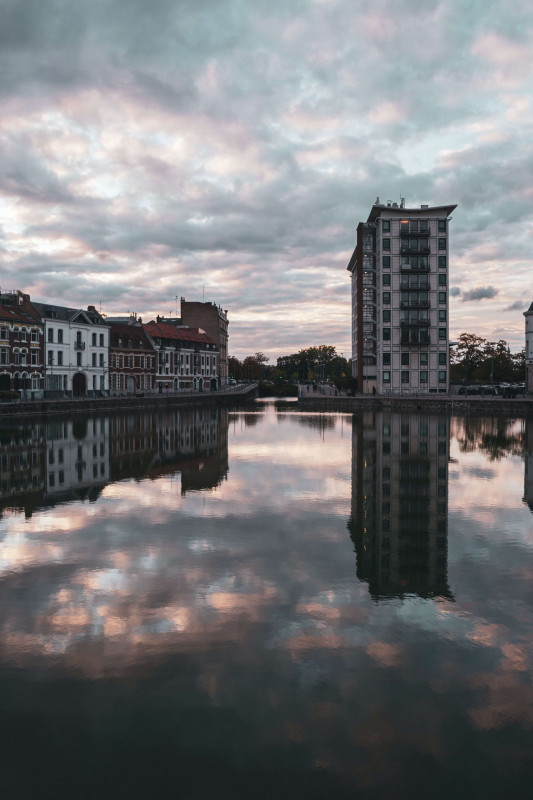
x: 52, y: 350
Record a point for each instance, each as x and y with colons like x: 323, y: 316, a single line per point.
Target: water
x: 266, y: 603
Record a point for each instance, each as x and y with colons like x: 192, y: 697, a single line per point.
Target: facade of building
x: 132, y: 358
x: 21, y: 346
x: 529, y: 349
x: 400, y: 312
x: 76, y: 351
x: 186, y: 359
x: 214, y: 321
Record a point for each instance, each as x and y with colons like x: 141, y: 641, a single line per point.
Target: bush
x: 9, y: 395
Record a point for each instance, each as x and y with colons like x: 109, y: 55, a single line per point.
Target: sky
x: 226, y: 150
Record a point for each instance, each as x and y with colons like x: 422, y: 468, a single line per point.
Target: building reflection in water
x: 399, y: 503
x: 528, y: 461
x: 52, y: 462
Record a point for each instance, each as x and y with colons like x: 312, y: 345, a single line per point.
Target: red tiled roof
x: 17, y: 313
x: 164, y: 330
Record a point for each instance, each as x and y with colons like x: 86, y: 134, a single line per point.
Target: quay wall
x: 468, y: 406
x: 107, y: 405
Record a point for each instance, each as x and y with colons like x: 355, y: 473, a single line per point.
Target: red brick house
x: 21, y: 346
x: 132, y: 359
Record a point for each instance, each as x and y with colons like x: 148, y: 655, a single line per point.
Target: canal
x: 266, y: 602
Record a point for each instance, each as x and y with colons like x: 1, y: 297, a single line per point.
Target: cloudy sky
x: 225, y: 150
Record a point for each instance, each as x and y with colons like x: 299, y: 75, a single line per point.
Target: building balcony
x: 79, y: 345
x: 415, y: 304
x: 408, y: 249
x: 414, y: 323
x: 415, y: 340
x: 405, y: 232
x: 409, y: 268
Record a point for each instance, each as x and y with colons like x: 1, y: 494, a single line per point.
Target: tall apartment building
x: 399, y: 272
x: 529, y: 348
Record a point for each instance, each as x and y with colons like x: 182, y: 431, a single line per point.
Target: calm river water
x: 265, y: 603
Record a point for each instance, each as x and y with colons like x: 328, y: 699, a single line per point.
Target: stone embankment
x: 449, y: 404
x: 228, y: 397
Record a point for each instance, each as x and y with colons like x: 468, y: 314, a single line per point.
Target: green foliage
x: 476, y: 359
x: 320, y: 363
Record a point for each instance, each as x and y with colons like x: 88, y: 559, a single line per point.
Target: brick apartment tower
x: 400, y: 309
x: 214, y: 321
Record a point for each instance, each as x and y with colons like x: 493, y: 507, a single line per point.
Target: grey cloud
x: 455, y: 291
x: 286, y: 146
x: 481, y: 293
x: 518, y: 305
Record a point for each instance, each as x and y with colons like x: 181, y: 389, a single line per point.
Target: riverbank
x: 477, y: 406
x: 229, y: 396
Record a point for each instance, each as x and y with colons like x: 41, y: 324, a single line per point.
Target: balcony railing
x: 411, y: 234
x: 414, y: 304
x: 409, y: 268
x: 414, y: 342
x: 414, y: 323
x: 407, y: 249
x: 79, y: 345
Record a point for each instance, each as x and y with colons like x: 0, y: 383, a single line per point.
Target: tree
x: 468, y: 354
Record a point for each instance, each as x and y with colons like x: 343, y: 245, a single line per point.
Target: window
x: 442, y: 376
x: 121, y: 361
x: 101, y: 340
x: 78, y: 359
x: 423, y: 376
x: 442, y: 244
x: 35, y: 357
x: 4, y: 333
x: 50, y: 334
x: 386, y: 376
x: 386, y: 298
x: 59, y: 358
x: 424, y: 226
x: 405, y: 359
x: 442, y: 297
x: 442, y: 280
x: 386, y: 359
x: 50, y: 357
x: 386, y: 244
x: 386, y: 315
x: 442, y: 261
x: 386, y: 334
x: 386, y: 262
x: 423, y: 359
x: 442, y: 315
x: 442, y: 333
x: 60, y: 335
x: 94, y: 359
x: 386, y: 225
x: 101, y: 359
x: 442, y: 359
x: 23, y: 336
x: 94, y: 340
x: 442, y: 226
x: 405, y: 377
x: 386, y: 280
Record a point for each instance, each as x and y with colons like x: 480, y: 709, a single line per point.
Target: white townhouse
x: 76, y: 351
